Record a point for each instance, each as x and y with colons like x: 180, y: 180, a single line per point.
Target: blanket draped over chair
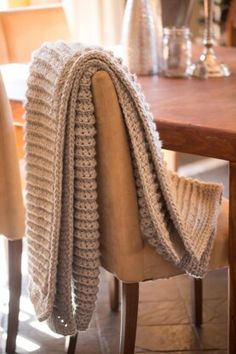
x: 178, y: 216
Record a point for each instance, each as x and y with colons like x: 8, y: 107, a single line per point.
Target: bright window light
x: 25, y: 344
x: 4, y: 296
x: 42, y: 327
x: 26, y: 305
x: 22, y: 316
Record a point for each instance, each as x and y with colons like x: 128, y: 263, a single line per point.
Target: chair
x: 124, y: 253
x: 23, y: 30
x: 230, y: 26
x: 11, y: 213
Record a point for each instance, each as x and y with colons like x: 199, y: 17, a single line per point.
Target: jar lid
x: 181, y: 31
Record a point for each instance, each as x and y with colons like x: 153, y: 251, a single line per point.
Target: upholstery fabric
x: 11, y: 201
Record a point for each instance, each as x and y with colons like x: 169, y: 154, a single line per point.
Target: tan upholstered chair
x: 230, y: 25
x: 11, y: 213
x: 124, y: 252
x: 21, y: 32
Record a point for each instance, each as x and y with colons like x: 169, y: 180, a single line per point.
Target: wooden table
x: 196, y: 117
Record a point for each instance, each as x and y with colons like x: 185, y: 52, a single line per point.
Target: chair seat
x: 152, y: 266
x: 155, y: 267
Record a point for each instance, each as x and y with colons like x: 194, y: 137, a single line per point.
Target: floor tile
x: 159, y: 290
x: 109, y: 340
x: 215, y: 284
x: 103, y: 294
x: 88, y: 342
x: 213, y: 336
x: 162, y: 312
x: 166, y: 338
x: 184, y: 284
x: 215, y: 311
x: 106, y: 318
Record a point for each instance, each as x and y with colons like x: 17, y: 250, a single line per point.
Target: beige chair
x: 22, y: 30
x: 11, y: 213
x: 230, y: 26
x: 124, y: 253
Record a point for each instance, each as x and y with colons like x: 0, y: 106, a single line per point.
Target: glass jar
x: 177, y: 51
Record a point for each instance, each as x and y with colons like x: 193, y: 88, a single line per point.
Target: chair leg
x: 197, y: 302
x: 14, y: 266
x: 70, y: 344
x: 232, y: 260
x: 114, y: 285
x: 129, y: 314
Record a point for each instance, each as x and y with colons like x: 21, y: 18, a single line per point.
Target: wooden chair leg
x: 129, y: 314
x: 114, y: 285
x: 197, y: 302
x: 14, y: 266
x: 232, y: 260
x: 70, y: 344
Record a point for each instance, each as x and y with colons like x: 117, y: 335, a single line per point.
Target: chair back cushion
x: 121, y: 241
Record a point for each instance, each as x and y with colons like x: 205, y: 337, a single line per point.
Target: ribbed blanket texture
x: 178, y: 216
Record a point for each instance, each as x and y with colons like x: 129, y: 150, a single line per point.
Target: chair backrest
x: 121, y: 241
x: 23, y: 30
x: 11, y: 201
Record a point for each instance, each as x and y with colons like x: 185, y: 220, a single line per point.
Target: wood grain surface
x: 196, y: 116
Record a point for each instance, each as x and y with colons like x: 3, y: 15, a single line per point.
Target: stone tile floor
x: 165, y: 323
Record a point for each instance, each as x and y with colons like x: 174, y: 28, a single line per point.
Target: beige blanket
x: 177, y: 215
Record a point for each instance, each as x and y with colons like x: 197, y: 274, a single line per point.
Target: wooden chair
x: 23, y: 30
x: 230, y: 26
x: 124, y: 253
x: 11, y: 214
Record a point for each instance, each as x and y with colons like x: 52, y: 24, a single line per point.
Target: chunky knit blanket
x: 178, y: 216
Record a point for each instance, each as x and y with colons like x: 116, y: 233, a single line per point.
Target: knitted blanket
x: 178, y: 216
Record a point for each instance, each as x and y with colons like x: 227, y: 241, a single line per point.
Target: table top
x: 192, y: 116
x: 196, y: 116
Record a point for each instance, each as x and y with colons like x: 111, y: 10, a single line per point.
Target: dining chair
x: 22, y: 30
x: 230, y: 25
x: 124, y: 253
x: 11, y: 214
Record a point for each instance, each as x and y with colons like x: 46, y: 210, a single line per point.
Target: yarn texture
x: 178, y: 216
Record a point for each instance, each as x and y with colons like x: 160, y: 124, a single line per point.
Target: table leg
x: 232, y: 258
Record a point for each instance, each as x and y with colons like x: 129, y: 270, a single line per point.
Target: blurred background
x: 100, y: 21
